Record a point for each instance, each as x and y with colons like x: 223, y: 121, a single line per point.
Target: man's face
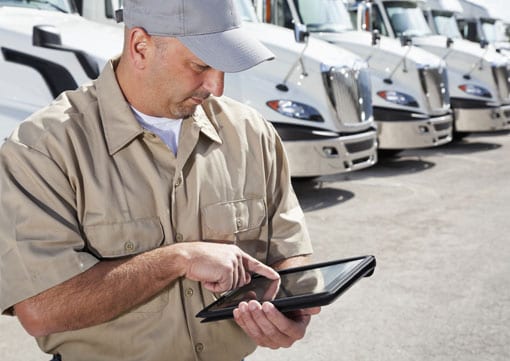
x: 178, y: 81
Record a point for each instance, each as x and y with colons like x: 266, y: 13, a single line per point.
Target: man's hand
x: 95, y: 292
x: 269, y: 327
x: 221, y: 267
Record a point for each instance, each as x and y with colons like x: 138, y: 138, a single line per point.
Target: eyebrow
x: 202, y: 65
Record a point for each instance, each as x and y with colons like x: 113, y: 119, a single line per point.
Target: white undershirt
x: 167, y: 129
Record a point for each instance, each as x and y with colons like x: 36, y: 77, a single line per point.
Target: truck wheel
x: 388, y: 153
x: 458, y: 136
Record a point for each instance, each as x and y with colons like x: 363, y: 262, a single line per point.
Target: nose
x: 214, y: 82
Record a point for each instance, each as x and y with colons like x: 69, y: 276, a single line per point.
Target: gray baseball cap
x: 211, y: 29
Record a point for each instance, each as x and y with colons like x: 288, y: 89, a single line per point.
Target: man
x: 130, y: 203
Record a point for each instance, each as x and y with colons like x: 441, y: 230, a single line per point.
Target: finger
x: 218, y: 287
x: 271, y: 336
x: 272, y: 290
x: 243, y: 318
x: 312, y: 311
x: 241, y: 273
x: 294, y: 329
x: 237, y: 317
x: 235, y: 276
x: 214, y: 287
x: 255, y: 266
x: 250, y: 295
x: 248, y: 278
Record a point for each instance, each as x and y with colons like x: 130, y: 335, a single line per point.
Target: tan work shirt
x: 82, y: 181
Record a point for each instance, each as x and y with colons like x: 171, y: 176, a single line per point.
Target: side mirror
x: 449, y: 42
x: 376, y: 37
x: 364, y: 16
x: 46, y: 36
x: 405, y: 40
x: 300, y: 33
x: 483, y: 43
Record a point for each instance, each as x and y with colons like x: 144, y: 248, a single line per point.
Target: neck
x: 132, y: 85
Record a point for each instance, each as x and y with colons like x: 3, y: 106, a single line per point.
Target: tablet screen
x: 322, y: 280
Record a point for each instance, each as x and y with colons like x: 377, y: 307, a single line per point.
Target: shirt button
x: 179, y: 237
x: 178, y: 182
x: 189, y: 292
x: 199, y: 347
x: 129, y: 246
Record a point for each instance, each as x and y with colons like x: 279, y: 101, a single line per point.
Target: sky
x: 497, y: 8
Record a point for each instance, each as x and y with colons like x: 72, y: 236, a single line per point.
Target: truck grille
x: 434, y: 82
x: 501, y: 77
x: 362, y: 146
x: 442, y: 126
x: 349, y: 91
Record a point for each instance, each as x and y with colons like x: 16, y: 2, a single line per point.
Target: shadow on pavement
x: 490, y: 134
x: 313, y: 195
x: 316, y: 194
x: 385, y: 167
x: 468, y: 146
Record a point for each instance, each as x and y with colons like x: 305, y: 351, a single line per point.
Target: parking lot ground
x: 438, y: 222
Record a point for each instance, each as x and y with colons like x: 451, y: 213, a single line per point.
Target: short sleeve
x: 40, y: 238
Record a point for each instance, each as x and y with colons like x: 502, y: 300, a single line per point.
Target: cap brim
x: 230, y: 51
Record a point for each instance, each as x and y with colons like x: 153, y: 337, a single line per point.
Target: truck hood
x: 101, y: 41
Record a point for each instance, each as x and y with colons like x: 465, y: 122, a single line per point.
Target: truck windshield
x: 406, y: 18
x: 246, y: 10
x: 324, y: 15
x: 65, y: 6
x: 493, y: 31
x: 446, y: 24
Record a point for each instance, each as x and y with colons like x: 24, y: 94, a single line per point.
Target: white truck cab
x: 478, y: 77
x: 43, y: 52
x: 316, y: 95
x: 478, y: 25
x: 409, y: 85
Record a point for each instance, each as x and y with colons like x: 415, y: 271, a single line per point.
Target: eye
x: 199, y: 68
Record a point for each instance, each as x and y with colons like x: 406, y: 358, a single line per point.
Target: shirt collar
x: 119, y: 123
x: 208, y: 125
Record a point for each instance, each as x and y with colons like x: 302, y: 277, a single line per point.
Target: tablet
x: 301, y: 287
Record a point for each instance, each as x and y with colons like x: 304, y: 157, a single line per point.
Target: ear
x: 139, y: 42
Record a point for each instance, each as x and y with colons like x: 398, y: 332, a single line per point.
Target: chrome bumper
x: 482, y: 119
x: 415, y: 133
x: 312, y: 158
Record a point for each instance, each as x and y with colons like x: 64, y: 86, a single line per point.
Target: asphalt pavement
x: 438, y: 222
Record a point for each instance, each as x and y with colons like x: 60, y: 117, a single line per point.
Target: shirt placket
x: 190, y: 290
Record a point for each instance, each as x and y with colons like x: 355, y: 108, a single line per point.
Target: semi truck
x: 459, y: 19
x: 478, y: 25
x: 478, y: 77
x: 409, y: 85
x: 317, y: 96
x: 43, y: 51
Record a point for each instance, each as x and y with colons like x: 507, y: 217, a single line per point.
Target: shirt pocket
x: 121, y: 239
x: 234, y: 221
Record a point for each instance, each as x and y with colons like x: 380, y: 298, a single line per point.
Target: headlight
x: 296, y: 110
x: 476, y: 90
x: 398, y: 98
